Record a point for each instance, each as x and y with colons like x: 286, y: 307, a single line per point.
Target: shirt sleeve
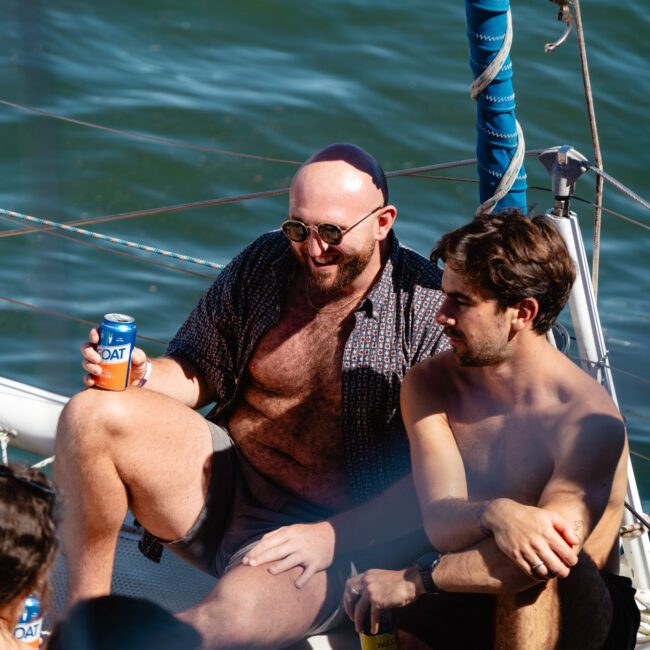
x: 209, y: 336
x: 428, y: 337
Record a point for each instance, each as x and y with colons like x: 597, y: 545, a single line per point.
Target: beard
x: 480, y: 357
x: 349, y: 269
x: 488, y: 351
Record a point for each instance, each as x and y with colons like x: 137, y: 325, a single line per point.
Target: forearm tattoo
x: 579, y: 530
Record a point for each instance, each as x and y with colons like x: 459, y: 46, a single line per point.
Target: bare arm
x: 391, y: 514
x: 586, y: 453
x: 589, y: 477
x: 450, y: 520
x: 172, y: 376
x: 586, y: 487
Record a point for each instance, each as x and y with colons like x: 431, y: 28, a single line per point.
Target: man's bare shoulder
x: 579, y: 389
x: 427, y: 383
x: 588, y: 411
x: 431, y: 372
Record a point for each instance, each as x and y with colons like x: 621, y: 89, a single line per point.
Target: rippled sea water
x: 281, y: 79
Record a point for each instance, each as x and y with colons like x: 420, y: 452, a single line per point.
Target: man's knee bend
x: 242, y: 624
x: 89, y: 416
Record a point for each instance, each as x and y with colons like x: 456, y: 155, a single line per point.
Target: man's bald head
x: 356, y: 157
x: 342, y: 186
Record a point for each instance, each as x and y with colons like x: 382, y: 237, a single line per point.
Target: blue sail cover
x: 495, y: 106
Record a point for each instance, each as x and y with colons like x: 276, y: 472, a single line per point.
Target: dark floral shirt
x: 394, y: 330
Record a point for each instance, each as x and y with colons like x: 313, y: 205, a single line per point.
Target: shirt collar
x: 381, y: 289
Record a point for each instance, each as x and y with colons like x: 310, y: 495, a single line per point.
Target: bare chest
x: 288, y: 418
x: 302, y: 356
x: 505, y: 455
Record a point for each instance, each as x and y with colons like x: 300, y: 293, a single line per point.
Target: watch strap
x: 426, y: 564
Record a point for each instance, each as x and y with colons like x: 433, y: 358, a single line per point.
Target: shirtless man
x: 302, y: 343
x: 519, y: 459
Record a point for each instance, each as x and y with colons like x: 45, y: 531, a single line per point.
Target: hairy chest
x: 302, y: 354
x: 288, y: 419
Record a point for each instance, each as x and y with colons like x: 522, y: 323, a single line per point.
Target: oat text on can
x: 116, y: 341
x: 30, y: 623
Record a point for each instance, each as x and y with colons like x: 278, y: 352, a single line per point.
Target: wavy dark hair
x: 514, y: 257
x: 28, y: 519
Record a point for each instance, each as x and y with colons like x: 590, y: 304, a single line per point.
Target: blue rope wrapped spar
x: 487, y: 25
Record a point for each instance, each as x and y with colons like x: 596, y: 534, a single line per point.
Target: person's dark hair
x: 357, y: 157
x: 110, y: 622
x: 513, y: 257
x: 27, y: 532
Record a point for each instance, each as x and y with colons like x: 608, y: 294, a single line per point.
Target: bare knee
x: 234, y: 621
x: 251, y: 609
x: 88, y: 419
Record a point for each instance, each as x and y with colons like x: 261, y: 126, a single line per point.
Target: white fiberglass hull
x: 31, y: 414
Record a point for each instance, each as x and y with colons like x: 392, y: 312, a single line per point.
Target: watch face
x: 426, y: 564
x: 425, y: 561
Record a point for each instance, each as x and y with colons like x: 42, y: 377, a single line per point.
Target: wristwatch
x: 426, y: 564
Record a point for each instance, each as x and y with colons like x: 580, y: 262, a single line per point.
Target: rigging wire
x: 612, y: 212
x: 606, y: 365
x: 639, y: 455
x: 412, y: 171
x: 151, y: 211
x: 59, y: 314
x: 546, y: 189
x: 5, y: 214
x: 220, y: 201
x: 138, y: 258
x: 638, y: 515
x: 144, y: 136
x: 598, y: 159
x: 619, y: 186
x: 113, y: 240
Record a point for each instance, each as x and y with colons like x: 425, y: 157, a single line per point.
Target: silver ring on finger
x: 534, y: 567
x: 542, y: 577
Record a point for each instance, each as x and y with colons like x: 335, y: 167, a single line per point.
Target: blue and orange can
x: 116, y: 342
x: 30, y: 623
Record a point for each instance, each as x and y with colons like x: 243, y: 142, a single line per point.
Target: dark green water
x: 282, y: 79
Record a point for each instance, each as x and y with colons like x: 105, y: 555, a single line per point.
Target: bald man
x: 302, y: 466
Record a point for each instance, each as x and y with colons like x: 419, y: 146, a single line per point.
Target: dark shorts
x: 466, y: 621
x: 627, y: 617
x: 242, y: 505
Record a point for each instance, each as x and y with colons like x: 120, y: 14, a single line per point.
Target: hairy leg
x: 529, y: 620
x: 135, y: 448
x: 250, y: 608
x: 575, y: 612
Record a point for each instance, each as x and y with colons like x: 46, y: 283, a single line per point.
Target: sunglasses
x: 43, y: 490
x: 297, y: 231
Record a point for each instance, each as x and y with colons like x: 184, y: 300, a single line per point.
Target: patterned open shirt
x: 394, y: 329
